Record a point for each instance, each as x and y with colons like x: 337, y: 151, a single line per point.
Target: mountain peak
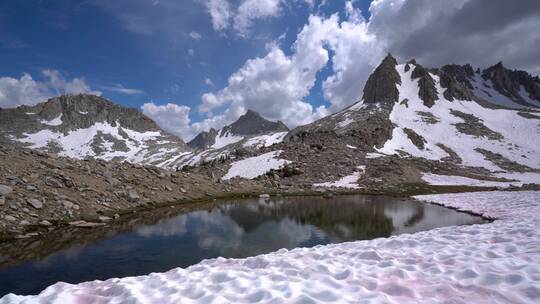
x: 249, y: 124
x: 87, y: 125
x: 251, y: 113
x: 499, y: 65
x: 83, y: 110
x: 389, y: 59
x: 381, y: 84
x: 252, y: 123
x: 517, y: 85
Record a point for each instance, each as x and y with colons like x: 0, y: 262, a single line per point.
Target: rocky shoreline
x: 41, y: 191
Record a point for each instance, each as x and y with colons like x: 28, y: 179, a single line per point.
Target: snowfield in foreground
x: 488, y: 263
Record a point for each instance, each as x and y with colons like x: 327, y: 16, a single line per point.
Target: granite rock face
x: 456, y: 79
x: 204, y: 139
x: 427, y: 90
x: 381, y: 84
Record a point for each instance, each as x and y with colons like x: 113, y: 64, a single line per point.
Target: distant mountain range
x: 84, y: 125
x: 412, y: 124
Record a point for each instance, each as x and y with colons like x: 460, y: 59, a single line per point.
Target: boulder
x: 69, y: 205
x: 35, y: 203
x: 132, y: 196
x: 53, y: 182
x: 45, y: 223
x: 5, y: 190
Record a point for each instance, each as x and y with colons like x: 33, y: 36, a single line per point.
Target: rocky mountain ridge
x: 84, y: 125
x: 89, y: 126
x: 415, y: 125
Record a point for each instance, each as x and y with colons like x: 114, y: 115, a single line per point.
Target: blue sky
x: 91, y: 39
x: 155, y: 52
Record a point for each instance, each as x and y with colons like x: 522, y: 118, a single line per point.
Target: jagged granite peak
x: 381, y: 85
x: 247, y: 125
x: 513, y: 83
x: 204, y: 139
x: 456, y: 79
x: 426, y: 85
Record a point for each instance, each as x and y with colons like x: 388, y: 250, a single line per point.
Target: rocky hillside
x: 82, y: 126
x: 416, y: 125
x: 40, y: 191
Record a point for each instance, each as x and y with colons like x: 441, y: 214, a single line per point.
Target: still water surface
x: 234, y: 228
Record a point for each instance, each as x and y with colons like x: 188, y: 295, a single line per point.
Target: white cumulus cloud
x: 28, y: 91
x: 276, y: 85
x: 175, y: 119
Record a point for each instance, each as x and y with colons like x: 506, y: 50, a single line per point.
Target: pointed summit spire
x: 381, y: 84
x: 389, y: 59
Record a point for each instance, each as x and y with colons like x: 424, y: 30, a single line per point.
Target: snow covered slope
x: 463, y: 126
x: 497, y: 262
x: 504, y: 141
x: 443, y: 126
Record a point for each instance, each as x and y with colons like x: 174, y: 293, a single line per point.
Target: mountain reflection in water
x: 163, y: 240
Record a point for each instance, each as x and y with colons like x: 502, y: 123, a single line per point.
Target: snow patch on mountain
x: 225, y: 138
x: 80, y: 143
x: 347, y: 121
x: 348, y: 182
x: 372, y: 155
x: 255, y: 166
x: 265, y: 140
x: 53, y: 122
x: 454, y: 180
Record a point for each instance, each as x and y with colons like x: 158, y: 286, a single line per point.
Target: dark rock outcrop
x: 427, y: 91
x: 456, y: 80
x: 381, y: 85
x: 204, y: 139
x: 510, y: 83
